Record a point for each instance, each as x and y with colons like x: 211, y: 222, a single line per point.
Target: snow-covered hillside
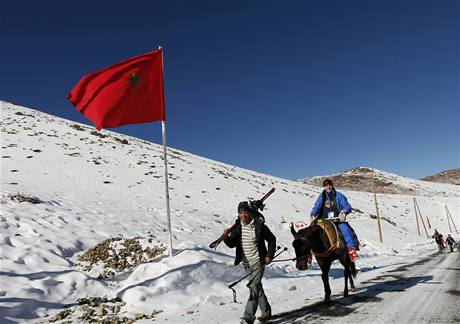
x: 91, y: 186
x: 360, y: 179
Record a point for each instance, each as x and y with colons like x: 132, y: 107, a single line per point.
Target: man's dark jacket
x: 263, y: 233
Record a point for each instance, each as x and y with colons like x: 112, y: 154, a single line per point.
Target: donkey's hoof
x: 345, y: 294
x: 353, y: 289
x: 327, y: 300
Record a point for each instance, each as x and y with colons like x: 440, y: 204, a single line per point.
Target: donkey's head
x: 301, y: 248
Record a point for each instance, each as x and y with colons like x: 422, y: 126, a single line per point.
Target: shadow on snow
x: 343, y: 306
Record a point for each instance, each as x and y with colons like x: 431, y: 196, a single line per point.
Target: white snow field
x: 98, y: 185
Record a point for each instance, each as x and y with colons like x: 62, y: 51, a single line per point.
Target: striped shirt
x: 249, y: 243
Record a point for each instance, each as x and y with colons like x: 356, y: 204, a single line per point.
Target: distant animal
x: 314, y: 238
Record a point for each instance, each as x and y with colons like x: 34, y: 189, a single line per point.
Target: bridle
x: 307, y: 256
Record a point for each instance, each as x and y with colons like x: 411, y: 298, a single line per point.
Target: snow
x: 95, y: 188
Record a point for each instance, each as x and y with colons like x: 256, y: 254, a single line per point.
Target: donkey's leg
x: 347, y: 274
x: 352, y: 284
x: 325, y: 266
x: 348, y: 268
x: 353, y: 275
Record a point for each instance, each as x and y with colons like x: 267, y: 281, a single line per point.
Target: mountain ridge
x: 361, y: 179
x: 451, y: 176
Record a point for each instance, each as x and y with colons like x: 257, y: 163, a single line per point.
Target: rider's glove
x: 342, y: 217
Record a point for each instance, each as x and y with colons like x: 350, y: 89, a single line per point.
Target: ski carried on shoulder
x: 257, y: 204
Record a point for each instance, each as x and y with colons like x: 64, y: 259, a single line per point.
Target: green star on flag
x: 134, y: 80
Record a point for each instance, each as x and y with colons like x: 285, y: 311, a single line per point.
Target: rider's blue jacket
x: 336, y: 202
x: 338, y: 197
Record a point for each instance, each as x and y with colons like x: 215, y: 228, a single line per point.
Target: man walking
x: 249, y: 238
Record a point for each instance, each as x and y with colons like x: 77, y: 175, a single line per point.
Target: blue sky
x: 289, y: 88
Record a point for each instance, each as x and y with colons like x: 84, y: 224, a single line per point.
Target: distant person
x: 249, y: 238
x: 439, y: 239
x: 333, y: 204
x: 451, y: 242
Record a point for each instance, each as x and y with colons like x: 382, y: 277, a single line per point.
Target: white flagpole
x: 168, y: 213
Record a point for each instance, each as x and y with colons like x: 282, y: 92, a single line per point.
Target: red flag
x: 429, y: 225
x: 129, y: 92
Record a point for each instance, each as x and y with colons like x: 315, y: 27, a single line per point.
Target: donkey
x: 314, y: 238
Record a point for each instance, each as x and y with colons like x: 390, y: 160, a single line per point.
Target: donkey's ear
x: 292, y: 230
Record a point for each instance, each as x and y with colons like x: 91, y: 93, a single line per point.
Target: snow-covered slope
x: 93, y: 186
x: 360, y: 179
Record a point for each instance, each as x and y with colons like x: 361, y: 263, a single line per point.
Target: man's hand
x: 268, y: 260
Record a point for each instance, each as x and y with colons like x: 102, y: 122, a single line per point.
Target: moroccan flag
x: 129, y: 92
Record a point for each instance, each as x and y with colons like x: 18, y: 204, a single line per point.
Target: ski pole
x: 250, y: 273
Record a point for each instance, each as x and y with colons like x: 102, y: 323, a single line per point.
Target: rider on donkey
x: 332, y: 203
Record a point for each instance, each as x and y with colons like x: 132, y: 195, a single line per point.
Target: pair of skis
x: 259, y: 205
